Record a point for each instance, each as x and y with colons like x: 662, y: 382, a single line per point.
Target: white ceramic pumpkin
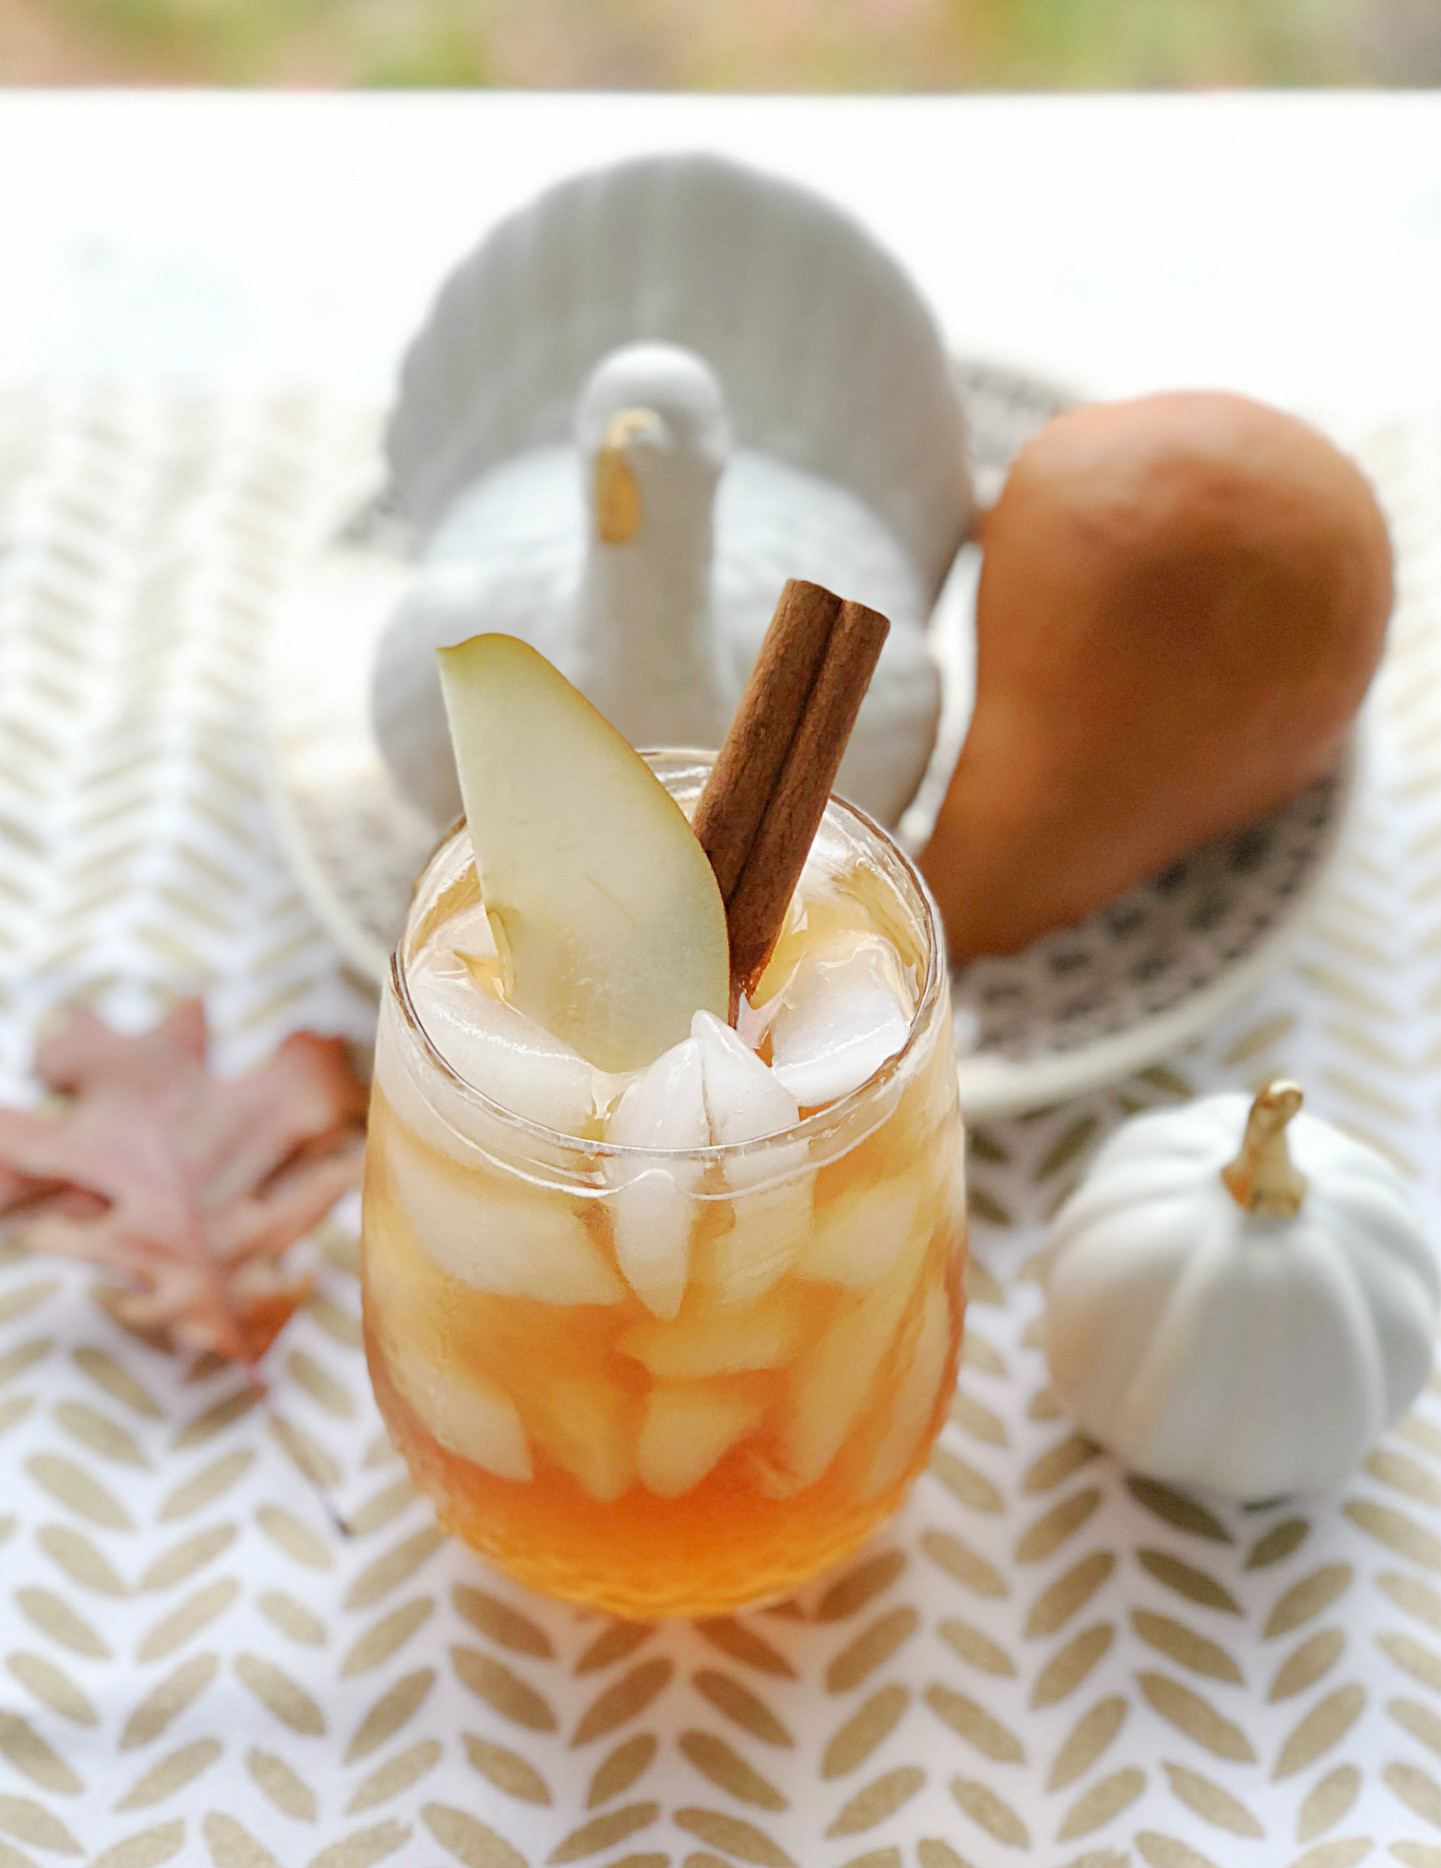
x: 1239, y: 1303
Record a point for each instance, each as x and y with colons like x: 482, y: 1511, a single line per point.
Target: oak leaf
x: 191, y: 1187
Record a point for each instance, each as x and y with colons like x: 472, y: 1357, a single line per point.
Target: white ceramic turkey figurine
x: 641, y: 405
x: 1240, y: 1302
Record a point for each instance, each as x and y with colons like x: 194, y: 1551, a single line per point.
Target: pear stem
x: 1263, y: 1178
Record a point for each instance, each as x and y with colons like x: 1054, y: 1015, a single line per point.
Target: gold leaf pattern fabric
x: 231, y: 1633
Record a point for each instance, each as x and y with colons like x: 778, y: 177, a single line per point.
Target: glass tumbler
x: 696, y: 1464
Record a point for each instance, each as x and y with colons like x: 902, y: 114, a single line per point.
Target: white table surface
x: 1286, y: 245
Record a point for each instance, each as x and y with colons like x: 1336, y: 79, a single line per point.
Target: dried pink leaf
x: 190, y: 1186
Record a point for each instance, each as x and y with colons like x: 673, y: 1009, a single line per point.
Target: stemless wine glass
x: 691, y: 1465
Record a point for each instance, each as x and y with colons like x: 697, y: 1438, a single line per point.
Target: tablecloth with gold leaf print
x: 231, y: 1632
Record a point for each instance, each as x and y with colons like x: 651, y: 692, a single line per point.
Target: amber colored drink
x: 692, y: 1463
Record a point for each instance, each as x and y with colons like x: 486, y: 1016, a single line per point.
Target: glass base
x: 723, y: 1547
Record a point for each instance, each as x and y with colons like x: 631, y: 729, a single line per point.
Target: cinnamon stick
x: 748, y: 766
x: 763, y: 803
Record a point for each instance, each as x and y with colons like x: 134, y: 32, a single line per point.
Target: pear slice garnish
x: 605, y: 908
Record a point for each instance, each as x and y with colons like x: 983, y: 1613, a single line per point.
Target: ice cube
x: 824, y: 909
x: 663, y: 1106
x: 830, y: 1382
x: 653, y: 1205
x: 842, y: 1011
x: 470, y: 935
x: 863, y: 1232
x: 769, y: 1231
x: 772, y: 1207
x: 720, y: 1342
x: 428, y: 1102
x: 587, y: 1425
x: 497, y: 1235
x: 467, y: 1414
x: 498, y: 1050
x: 743, y: 1099
x: 688, y: 1427
x: 915, y: 1399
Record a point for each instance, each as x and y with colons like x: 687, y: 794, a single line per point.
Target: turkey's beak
x: 617, y: 497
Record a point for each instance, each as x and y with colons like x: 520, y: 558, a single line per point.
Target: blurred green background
x: 732, y: 45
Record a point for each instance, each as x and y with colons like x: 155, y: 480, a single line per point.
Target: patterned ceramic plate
x: 1080, y: 1008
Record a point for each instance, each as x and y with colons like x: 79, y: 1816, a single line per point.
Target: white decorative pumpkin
x: 1246, y: 1322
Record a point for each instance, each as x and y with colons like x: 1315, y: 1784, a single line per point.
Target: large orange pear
x: 1182, y: 601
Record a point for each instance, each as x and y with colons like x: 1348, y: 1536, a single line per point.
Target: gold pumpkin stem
x: 1263, y: 1178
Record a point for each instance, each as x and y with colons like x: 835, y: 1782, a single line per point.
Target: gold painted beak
x: 617, y: 497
